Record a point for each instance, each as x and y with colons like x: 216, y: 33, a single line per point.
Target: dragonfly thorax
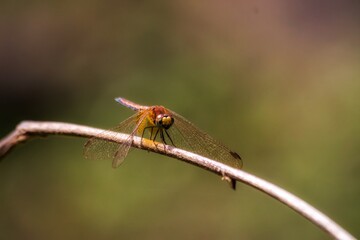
x: 164, y: 121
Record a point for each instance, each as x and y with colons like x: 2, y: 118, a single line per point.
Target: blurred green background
x: 278, y: 81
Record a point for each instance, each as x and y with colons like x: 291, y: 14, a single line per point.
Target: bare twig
x: 28, y: 129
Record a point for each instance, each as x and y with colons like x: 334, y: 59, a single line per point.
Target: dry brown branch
x: 28, y: 129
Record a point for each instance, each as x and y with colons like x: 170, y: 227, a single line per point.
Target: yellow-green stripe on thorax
x: 148, y: 120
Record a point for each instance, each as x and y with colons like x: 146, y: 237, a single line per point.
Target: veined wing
x: 185, y: 135
x: 97, y: 148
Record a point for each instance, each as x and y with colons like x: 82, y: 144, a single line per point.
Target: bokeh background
x: 276, y: 80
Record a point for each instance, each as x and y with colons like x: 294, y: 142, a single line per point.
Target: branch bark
x: 29, y: 129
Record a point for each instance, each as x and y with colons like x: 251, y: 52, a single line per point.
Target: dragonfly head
x: 164, y: 120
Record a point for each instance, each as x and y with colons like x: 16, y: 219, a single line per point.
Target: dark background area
x: 277, y: 81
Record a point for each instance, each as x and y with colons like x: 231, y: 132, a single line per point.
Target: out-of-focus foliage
x: 276, y: 80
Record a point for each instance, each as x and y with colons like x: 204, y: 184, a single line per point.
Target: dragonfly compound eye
x: 165, y: 121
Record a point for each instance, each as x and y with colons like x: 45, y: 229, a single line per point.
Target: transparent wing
x: 185, y: 135
x: 97, y: 148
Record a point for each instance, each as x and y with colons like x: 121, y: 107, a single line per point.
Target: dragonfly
x: 158, y: 123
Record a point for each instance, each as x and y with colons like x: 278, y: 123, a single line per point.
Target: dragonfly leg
x: 162, y: 136
x: 155, y: 135
x: 167, y: 134
x: 151, y: 133
x: 143, y: 133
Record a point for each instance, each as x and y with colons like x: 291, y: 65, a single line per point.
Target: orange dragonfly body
x: 158, y: 122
